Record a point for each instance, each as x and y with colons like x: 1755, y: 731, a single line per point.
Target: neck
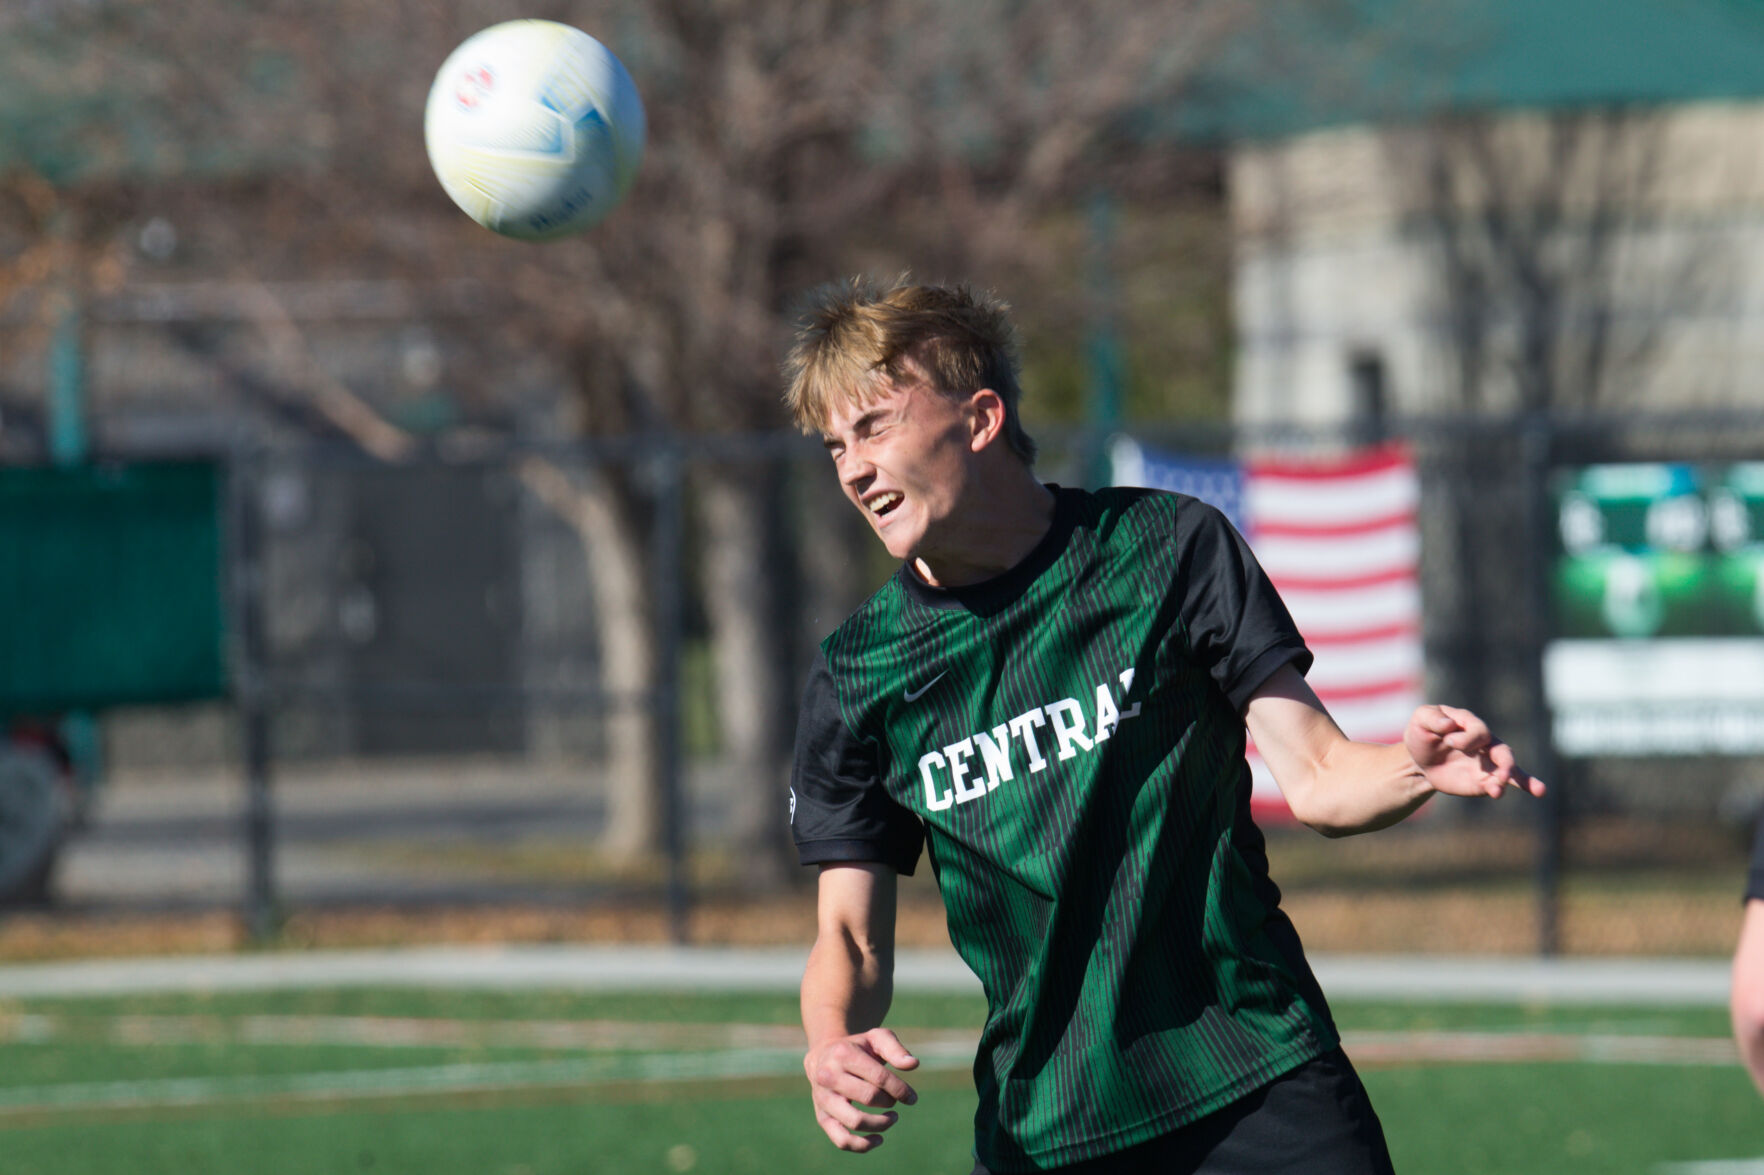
x: 995, y: 535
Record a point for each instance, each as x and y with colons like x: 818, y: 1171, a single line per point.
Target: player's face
x: 904, y: 460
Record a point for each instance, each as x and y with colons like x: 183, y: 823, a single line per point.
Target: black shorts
x: 1315, y: 1120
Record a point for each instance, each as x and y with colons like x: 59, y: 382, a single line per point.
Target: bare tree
x: 1562, y: 270
x: 792, y: 140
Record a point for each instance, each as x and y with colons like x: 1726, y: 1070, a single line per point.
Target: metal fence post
x: 1537, y: 446
x: 1104, y: 365
x: 252, y: 692
x: 669, y: 524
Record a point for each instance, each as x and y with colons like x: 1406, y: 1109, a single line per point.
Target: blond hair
x: 856, y: 337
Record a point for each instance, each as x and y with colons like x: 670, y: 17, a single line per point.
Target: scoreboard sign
x: 1658, y: 595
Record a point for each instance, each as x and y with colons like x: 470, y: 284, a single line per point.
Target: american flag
x: 1338, y: 538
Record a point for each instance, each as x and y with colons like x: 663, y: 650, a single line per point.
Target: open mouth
x: 885, y: 503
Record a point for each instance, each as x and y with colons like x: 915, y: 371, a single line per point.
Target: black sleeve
x: 1237, y: 626
x: 1755, y: 875
x: 839, y: 810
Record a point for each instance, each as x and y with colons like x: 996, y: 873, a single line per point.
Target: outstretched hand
x: 850, y: 1077
x: 1455, y: 751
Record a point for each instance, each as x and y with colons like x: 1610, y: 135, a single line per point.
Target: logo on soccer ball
x: 475, y: 87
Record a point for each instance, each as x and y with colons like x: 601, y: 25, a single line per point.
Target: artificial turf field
x: 438, y: 1082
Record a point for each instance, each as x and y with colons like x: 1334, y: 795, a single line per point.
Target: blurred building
x: 1504, y: 206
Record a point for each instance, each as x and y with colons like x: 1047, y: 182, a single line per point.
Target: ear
x: 986, y: 418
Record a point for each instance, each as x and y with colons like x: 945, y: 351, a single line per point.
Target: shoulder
x: 1136, y: 508
x: 877, y: 614
x: 866, y: 647
x: 1145, y: 520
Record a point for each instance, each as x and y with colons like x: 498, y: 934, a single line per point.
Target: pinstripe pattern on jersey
x: 1101, y: 899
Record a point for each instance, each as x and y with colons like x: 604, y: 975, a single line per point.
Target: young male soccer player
x: 1051, y: 694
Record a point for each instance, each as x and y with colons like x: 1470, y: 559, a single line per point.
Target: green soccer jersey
x: 1067, y: 742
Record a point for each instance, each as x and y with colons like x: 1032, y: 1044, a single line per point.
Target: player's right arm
x: 846, y: 989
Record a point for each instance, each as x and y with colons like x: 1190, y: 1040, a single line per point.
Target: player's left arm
x: 1339, y: 787
x: 1746, y: 999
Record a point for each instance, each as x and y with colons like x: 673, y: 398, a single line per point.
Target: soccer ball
x: 534, y: 129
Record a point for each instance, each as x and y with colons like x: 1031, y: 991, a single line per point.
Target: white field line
x: 1678, y: 982
x: 603, y: 1069
x: 433, y: 1032
x: 1496, y: 1047
x: 400, y: 1032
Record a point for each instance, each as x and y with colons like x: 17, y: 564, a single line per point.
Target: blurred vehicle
x: 43, y: 799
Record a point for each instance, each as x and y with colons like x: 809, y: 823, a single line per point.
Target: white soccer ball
x: 534, y: 129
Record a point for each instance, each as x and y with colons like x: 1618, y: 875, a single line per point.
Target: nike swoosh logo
x: 914, y: 695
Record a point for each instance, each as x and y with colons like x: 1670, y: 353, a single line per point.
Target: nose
x: 854, y: 469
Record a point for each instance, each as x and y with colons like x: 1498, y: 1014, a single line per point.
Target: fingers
x: 1510, y: 774
x: 851, y: 1127
x: 1437, y: 732
x: 845, y: 1140
x: 866, y: 1090
x: 1485, y: 768
x: 858, y: 1069
x: 1465, y: 731
x: 887, y: 1046
x: 1497, y: 767
x: 1434, y: 720
x: 851, y: 1082
x: 1459, y: 730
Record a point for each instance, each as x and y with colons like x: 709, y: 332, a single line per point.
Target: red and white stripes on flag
x: 1338, y: 537
x: 1340, y: 541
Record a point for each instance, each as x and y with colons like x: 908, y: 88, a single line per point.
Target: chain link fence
x: 434, y: 706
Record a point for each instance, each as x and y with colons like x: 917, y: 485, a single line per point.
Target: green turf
x: 720, y: 1130
x: 1477, y: 1119
x: 1441, y: 1119
x: 80, y: 1061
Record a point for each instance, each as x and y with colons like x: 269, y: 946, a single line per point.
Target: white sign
x: 1682, y: 696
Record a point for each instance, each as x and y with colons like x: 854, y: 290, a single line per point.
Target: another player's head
x: 858, y: 338
x: 914, y: 392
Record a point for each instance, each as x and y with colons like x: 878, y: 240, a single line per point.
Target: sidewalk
x: 1344, y: 977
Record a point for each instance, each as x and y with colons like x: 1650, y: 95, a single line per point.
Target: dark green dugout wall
x: 111, y: 586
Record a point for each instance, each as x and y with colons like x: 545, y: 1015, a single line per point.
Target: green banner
x: 111, y: 586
